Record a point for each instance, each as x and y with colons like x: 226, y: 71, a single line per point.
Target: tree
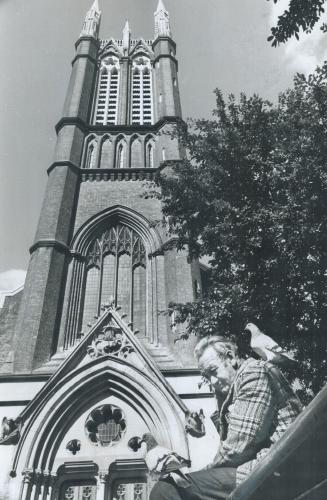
x: 301, y: 14
x: 252, y: 195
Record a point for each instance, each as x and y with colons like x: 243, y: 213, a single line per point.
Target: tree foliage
x: 252, y: 195
x: 301, y: 14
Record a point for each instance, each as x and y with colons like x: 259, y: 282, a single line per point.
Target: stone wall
x: 8, y: 318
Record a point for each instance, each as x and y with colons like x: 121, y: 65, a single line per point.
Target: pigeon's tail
x: 180, y: 479
x: 284, y: 360
x: 169, y: 463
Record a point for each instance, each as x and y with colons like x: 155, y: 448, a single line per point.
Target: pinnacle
x: 126, y: 27
x: 161, y: 6
x: 95, y: 6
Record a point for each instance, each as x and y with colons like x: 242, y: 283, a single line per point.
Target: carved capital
x: 29, y: 476
x: 49, y: 479
x: 103, y: 476
x: 38, y: 476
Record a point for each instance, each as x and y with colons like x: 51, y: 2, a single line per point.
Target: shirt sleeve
x: 250, y: 419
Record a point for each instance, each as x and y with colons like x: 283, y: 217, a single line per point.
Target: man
x: 257, y: 405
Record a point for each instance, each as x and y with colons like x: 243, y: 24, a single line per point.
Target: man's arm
x: 250, y: 419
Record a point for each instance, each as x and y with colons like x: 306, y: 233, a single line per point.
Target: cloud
x: 11, y: 279
x: 305, y: 54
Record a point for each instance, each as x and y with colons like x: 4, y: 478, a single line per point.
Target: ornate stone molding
x: 58, y: 245
x: 73, y: 446
x: 103, y: 476
x: 29, y: 476
x: 111, y: 340
x: 118, y: 174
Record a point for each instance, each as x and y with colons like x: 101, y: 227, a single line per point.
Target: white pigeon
x: 161, y: 461
x: 267, y: 348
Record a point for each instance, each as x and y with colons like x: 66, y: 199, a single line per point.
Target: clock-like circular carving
x: 105, y: 425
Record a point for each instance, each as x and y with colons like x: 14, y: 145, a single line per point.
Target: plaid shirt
x: 259, y: 408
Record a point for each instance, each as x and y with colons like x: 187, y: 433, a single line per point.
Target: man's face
x: 218, y: 371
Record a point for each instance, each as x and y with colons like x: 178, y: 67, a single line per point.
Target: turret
x: 42, y: 299
x: 161, y: 21
x: 91, y: 24
x: 165, y: 65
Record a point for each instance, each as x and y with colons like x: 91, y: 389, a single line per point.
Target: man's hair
x: 220, y: 344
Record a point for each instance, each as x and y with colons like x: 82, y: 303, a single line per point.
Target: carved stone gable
x: 111, y: 340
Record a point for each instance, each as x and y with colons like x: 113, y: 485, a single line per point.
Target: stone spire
x: 126, y: 38
x: 161, y: 21
x: 91, y: 24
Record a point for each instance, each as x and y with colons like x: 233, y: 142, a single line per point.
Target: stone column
x: 28, y: 482
x: 48, y: 487
x: 123, y: 104
x: 101, y: 485
x: 38, y: 480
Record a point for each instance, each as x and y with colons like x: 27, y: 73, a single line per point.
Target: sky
x: 220, y: 43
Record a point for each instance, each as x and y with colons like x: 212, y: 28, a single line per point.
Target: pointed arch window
x: 91, y: 156
x: 116, y: 271
x: 106, y: 153
x: 150, y: 156
x: 142, y: 92
x: 108, y: 89
x: 121, y: 153
x: 136, y: 160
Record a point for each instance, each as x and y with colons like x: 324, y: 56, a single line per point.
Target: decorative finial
x: 126, y: 37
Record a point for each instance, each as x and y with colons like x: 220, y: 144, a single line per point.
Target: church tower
x: 99, y: 239
x: 93, y: 361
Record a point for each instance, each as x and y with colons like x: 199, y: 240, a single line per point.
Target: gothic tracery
x: 116, y: 265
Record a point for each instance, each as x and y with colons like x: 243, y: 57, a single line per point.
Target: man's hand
x: 194, y: 424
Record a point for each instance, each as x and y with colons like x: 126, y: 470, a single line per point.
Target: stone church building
x: 88, y: 359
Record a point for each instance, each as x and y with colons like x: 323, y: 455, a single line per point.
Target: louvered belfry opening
x: 116, y: 272
x: 108, y: 91
x: 142, y: 92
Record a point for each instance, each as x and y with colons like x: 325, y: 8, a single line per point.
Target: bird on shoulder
x: 266, y: 348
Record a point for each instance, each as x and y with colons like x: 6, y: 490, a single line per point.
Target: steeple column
x: 81, y: 85
x: 167, y: 91
x: 165, y: 64
x: 42, y: 300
